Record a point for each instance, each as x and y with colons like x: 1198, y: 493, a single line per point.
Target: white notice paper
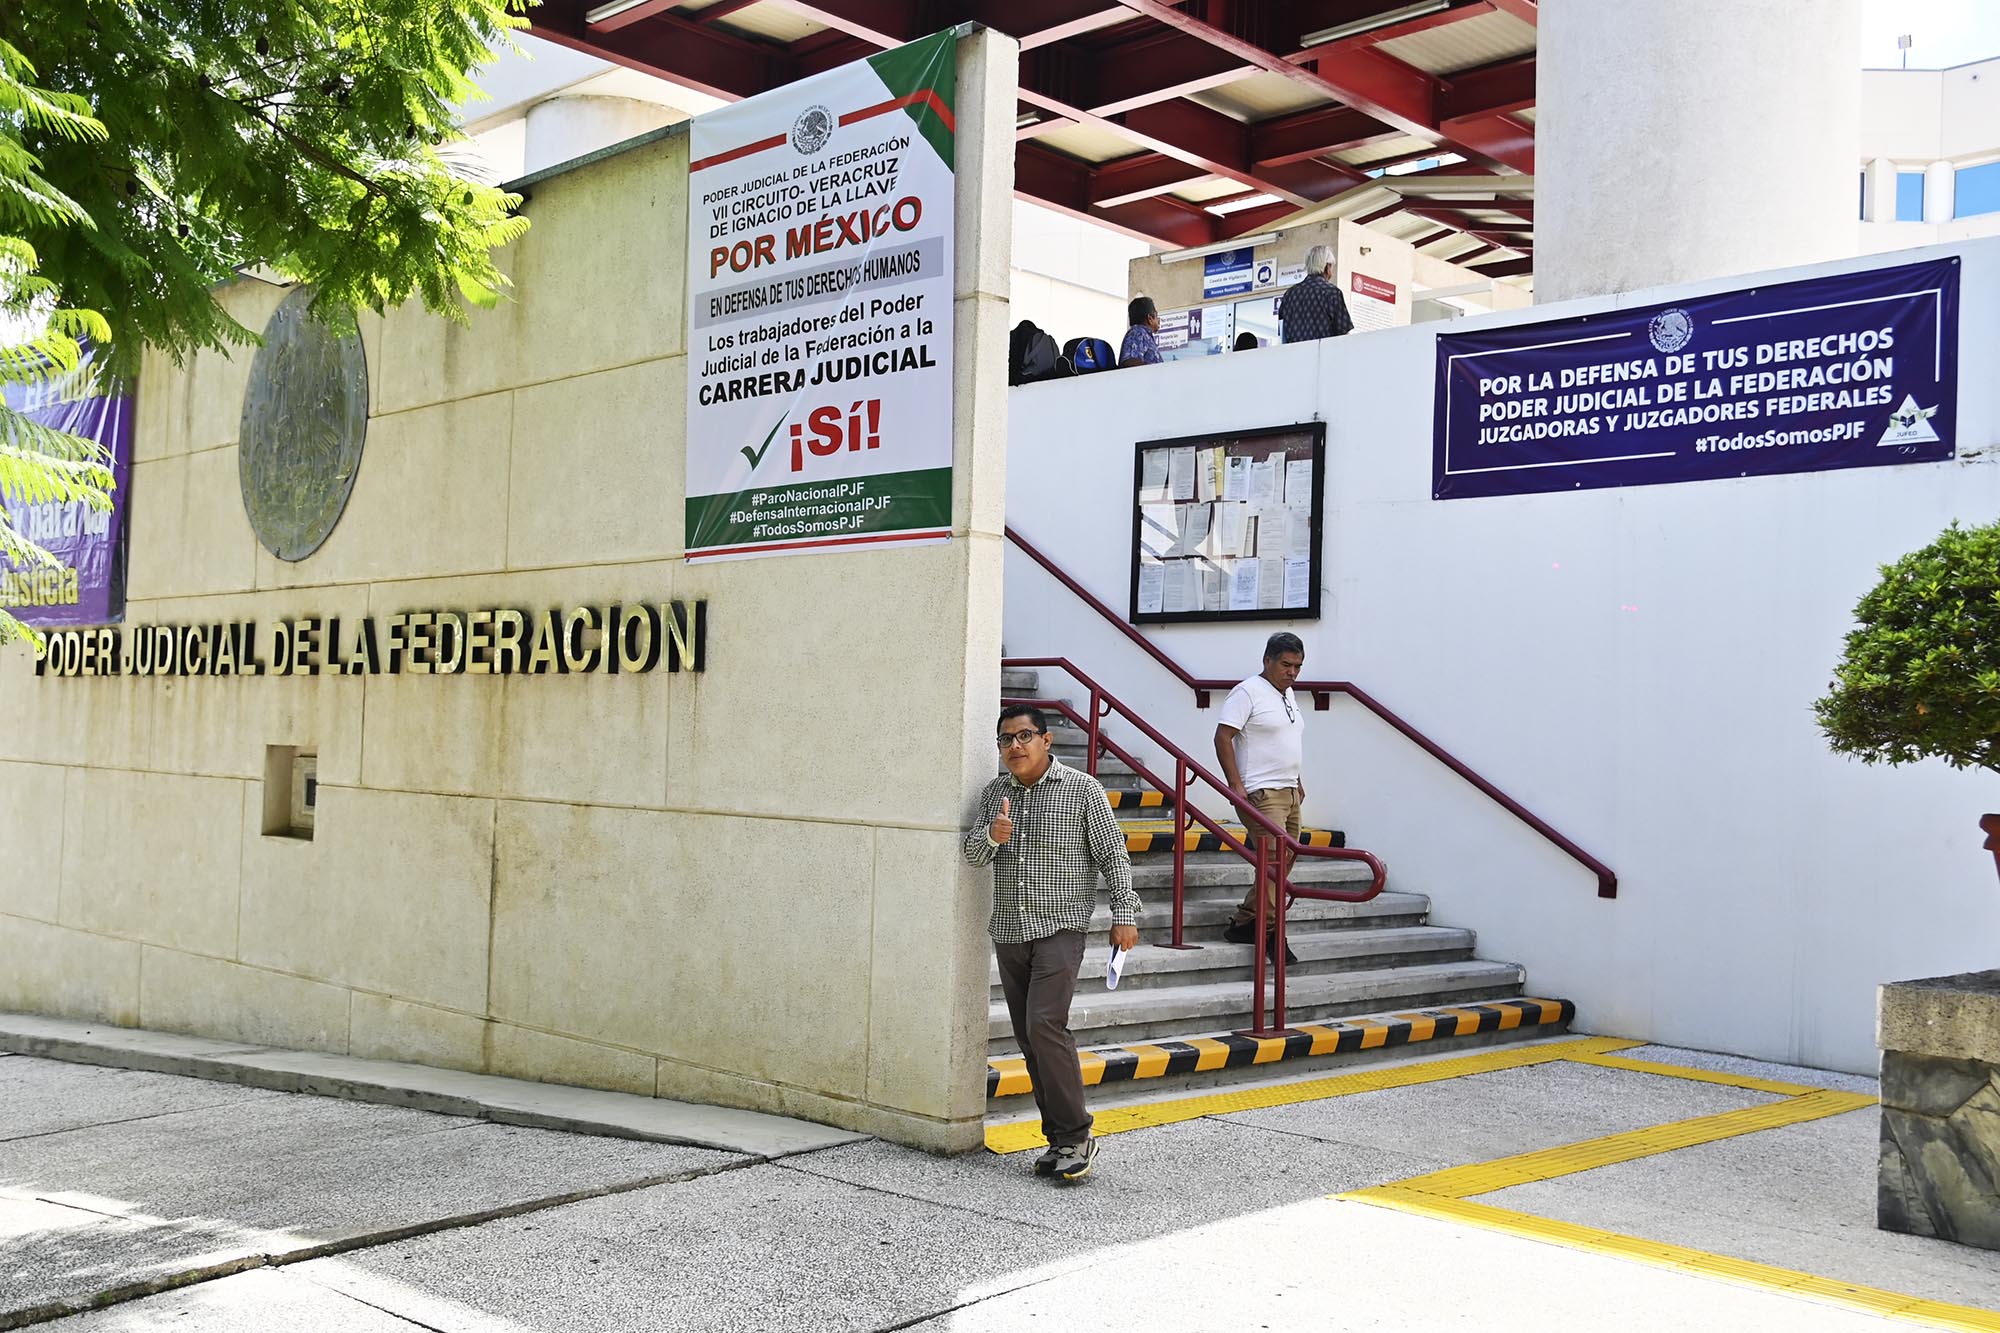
x: 1180, y: 473
x: 1153, y: 475
x: 1195, y: 521
x: 1152, y: 588
x: 1232, y: 526
x: 1236, y: 479
x: 1183, y: 591
x: 1298, y: 582
x: 1207, y: 473
x: 1214, y: 587
x: 1114, y: 968
x: 1243, y: 586
x: 1298, y: 482
x: 1159, y: 530
x: 1299, y: 535
x: 1264, y: 481
x: 1270, y: 583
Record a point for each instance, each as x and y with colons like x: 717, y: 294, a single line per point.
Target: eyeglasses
x: 1290, y: 716
x: 1007, y: 739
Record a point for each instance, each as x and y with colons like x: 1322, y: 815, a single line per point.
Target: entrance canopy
x: 1182, y: 124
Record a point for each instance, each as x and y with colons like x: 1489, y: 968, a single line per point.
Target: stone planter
x: 1939, y: 1173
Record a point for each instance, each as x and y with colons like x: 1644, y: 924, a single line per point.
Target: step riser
x: 1126, y: 1091
x: 1305, y: 967
x: 998, y: 1044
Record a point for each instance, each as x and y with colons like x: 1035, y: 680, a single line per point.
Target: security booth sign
x: 86, y: 585
x: 820, y: 227
x: 1851, y: 370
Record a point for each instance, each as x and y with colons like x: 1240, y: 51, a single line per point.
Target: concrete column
x: 569, y: 125
x: 1879, y: 198
x: 1940, y: 191
x: 1692, y: 139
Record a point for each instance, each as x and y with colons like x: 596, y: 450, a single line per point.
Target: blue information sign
x: 1226, y: 272
x: 1853, y: 370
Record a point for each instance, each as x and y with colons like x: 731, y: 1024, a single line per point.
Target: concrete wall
x: 1636, y: 666
x: 1691, y: 140
x: 741, y: 887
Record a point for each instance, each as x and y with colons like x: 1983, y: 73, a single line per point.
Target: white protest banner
x: 820, y: 226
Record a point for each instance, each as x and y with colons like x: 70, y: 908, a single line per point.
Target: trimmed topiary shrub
x: 1921, y: 674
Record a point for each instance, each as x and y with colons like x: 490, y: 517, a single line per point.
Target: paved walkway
x: 1418, y: 1202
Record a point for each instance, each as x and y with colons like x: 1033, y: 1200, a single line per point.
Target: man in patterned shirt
x: 1313, y: 307
x: 1048, y: 832
x: 1141, y: 346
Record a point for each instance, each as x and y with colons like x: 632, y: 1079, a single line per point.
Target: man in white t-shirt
x: 1260, y: 743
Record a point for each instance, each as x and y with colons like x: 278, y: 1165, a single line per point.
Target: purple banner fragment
x: 88, y: 586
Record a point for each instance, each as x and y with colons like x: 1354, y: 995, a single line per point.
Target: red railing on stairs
x: 1322, y: 692
x: 1270, y: 837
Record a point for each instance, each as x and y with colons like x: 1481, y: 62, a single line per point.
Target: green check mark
x: 757, y: 456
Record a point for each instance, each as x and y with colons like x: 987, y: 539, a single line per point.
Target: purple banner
x: 1853, y: 370
x: 88, y: 587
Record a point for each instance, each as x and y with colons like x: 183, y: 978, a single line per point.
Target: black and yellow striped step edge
x: 1151, y: 836
x: 1139, y: 800
x: 1007, y: 1075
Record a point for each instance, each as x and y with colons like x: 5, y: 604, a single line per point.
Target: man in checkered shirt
x: 1313, y: 307
x: 1048, y: 832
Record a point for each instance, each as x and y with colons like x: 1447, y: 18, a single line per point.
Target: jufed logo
x: 1910, y: 424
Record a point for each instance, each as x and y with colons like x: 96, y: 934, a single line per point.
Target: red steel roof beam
x: 1157, y: 69
x: 1406, y: 28
x: 1392, y: 92
x: 1180, y: 130
x: 638, y: 13
x: 1062, y: 183
x: 1500, y: 137
x: 881, y: 23
x: 1520, y: 208
x: 1528, y: 11
x: 1140, y: 176
x: 705, y: 59
x: 1309, y: 134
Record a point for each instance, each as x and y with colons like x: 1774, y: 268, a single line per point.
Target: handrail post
x: 1280, y: 887
x: 1180, y: 855
x: 1257, y: 944
x: 1090, y: 755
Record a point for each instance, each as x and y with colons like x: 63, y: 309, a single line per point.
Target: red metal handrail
x: 1322, y: 690
x: 1274, y: 837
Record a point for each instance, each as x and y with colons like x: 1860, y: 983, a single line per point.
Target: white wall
x: 1900, y: 114
x: 1636, y: 666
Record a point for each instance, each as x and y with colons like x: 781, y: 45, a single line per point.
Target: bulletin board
x: 1227, y: 526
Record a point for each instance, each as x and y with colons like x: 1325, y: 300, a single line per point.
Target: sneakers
x: 1073, y: 1160
x: 1242, y: 932
x: 1045, y: 1165
x: 1271, y: 951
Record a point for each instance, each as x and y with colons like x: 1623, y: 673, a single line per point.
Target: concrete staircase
x: 1372, y: 958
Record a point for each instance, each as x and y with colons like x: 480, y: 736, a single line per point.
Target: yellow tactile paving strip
x: 1699, y: 1263
x: 1462, y: 1182
x: 1024, y: 1135
x: 1445, y: 1194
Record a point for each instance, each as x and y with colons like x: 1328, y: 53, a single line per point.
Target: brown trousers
x: 1281, y: 806
x: 1039, y: 979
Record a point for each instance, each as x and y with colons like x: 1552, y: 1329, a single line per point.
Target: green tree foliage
x: 149, y: 149
x: 1921, y: 675
x: 307, y: 135
x: 40, y: 340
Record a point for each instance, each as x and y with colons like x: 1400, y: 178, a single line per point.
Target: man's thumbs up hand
x: 1003, y: 824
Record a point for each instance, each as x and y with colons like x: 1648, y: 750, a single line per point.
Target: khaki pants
x: 1280, y: 805
x: 1039, y: 979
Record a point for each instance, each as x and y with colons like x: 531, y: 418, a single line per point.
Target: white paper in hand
x: 1113, y: 968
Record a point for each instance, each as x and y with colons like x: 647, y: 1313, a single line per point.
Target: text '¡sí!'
x: 606, y: 640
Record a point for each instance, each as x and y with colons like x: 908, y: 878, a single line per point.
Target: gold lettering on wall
x: 584, y: 638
